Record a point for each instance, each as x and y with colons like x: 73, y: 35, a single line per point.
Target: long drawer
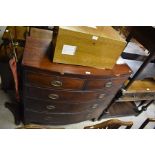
x: 62, y: 82
x: 54, y: 119
x: 42, y: 106
x: 58, y: 96
x: 53, y: 82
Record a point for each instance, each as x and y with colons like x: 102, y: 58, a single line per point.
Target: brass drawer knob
x: 94, y: 106
x: 101, y: 96
x: 48, y: 118
x: 56, y: 83
x: 89, y: 115
x: 53, y: 96
x: 108, y: 84
x: 50, y: 107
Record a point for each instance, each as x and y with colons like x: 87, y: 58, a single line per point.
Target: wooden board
x: 81, y: 45
x: 142, y: 86
x: 121, y: 109
x: 139, y: 90
x: 41, y: 33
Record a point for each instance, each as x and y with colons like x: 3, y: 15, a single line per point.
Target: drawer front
x: 57, y: 96
x: 107, y: 84
x: 100, y: 108
x: 54, y: 82
x: 54, y: 119
x: 42, y: 106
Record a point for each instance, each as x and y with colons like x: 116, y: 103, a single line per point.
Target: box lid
x: 101, y: 31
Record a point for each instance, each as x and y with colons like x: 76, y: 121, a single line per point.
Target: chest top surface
x: 37, y: 55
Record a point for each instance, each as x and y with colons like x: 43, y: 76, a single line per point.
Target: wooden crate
x: 97, y: 47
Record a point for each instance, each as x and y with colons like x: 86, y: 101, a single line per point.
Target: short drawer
x: 107, y: 84
x: 55, y: 82
x: 57, y: 96
x: 42, y: 106
x: 54, y: 119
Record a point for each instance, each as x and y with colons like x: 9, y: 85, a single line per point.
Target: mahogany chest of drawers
x: 59, y: 94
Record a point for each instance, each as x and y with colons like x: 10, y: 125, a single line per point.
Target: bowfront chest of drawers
x: 59, y: 94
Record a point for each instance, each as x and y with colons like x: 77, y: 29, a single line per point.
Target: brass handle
x: 89, y: 115
x: 48, y: 118
x: 94, y: 106
x: 53, y: 96
x: 108, y: 84
x: 101, y: 96
x: 56, y: 83
x: 50, y: 107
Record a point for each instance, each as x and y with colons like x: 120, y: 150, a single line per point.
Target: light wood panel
x: 101, y: 52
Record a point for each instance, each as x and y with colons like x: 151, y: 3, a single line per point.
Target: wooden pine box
x: 97, y: 47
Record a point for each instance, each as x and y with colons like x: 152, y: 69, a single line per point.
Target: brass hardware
x: 50, y: 107
x: 106, y: 112
x: 101, y: 96
x: 108, y: 84
x: 88, y: 115
x: 53, y: 96
x: 48, y: 118
x: 56, y: 83
x: 94, y: 106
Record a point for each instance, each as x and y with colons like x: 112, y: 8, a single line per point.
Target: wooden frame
x: 111, y: 124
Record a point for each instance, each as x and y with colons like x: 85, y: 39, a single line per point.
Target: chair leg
x: 15, y: 108
x: 129, y: 37
x: 141, y: 103
x: 95, y: 119
x: 144, y: 108
x: 146, y: 122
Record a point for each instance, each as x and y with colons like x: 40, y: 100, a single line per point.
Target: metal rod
x: 148, y: 59
x: 144, y: 108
